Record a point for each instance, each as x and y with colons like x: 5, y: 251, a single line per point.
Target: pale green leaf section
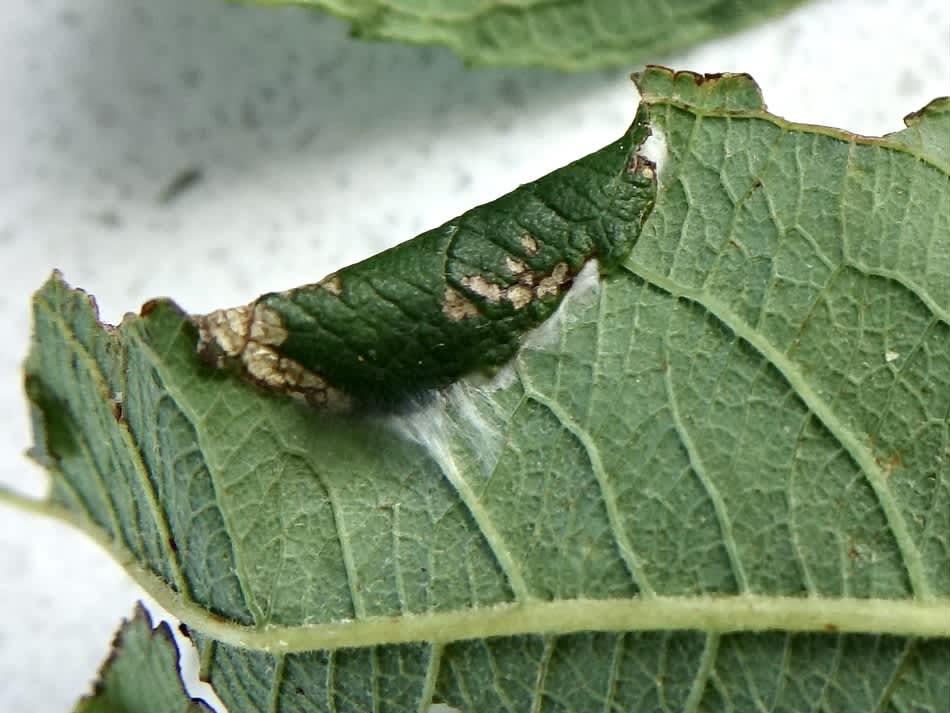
x: 141, y: 674
x: 565, y: 34
x: 716, y: 480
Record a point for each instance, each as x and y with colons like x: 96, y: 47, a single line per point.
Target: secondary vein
x: 911, y: 556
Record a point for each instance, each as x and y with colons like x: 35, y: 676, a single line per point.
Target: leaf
x: 142, y: 674
x: 566, y: 34
x: 452, y: 301
x: 715, y: 480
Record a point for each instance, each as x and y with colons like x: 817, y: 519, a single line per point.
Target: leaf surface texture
x: 716, y: 480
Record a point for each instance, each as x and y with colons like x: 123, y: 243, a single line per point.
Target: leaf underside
x: 755, y: 404
x: 565, y: 34
x: 141, y: 674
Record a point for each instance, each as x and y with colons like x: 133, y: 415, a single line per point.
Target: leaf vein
x: 622, y: 541
x: 857, y: 450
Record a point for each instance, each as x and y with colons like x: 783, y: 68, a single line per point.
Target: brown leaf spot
x: 482, y: 287
x: 267, y: 327
x: 456, y: 307
x: 268, y: 368
x: 250, y: 334
x: 552, y: 284
x: 529, y: 244
x: 515, y: 266
x: 225, y: 330
x: 519, y: 296
x: 891, y: 462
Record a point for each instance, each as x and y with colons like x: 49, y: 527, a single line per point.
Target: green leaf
x: 716, y: 479
x: 452, y: 301
x: 142, y: 674
x: 566, y: 34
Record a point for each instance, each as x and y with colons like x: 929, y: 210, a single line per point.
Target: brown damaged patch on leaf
x: 249, y: 335
x: 642, y: 165
x: 530, y: 285
x: 149, y: 307
x: 701, y: 79
x: 456, y: 307
x: 483, y: 287
x: 559, y: 279
x: 515, y: 266
x: 890, y: 462
x: 529, y: 244
x: 520, y: 296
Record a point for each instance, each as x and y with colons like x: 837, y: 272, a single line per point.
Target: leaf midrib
x: 900, y: 617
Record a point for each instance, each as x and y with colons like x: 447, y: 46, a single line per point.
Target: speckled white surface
x: 316, y: 150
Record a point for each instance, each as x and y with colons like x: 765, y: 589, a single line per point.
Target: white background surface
x: 316, y: 150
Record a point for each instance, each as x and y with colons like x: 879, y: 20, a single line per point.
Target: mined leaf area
x: 716, y: 479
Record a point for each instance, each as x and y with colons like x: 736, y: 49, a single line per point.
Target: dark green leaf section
x: 142, y: 674
x: 567, y: 34
x: 754, y: 401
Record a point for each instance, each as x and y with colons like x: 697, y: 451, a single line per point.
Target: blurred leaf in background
x: 565, y: 34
